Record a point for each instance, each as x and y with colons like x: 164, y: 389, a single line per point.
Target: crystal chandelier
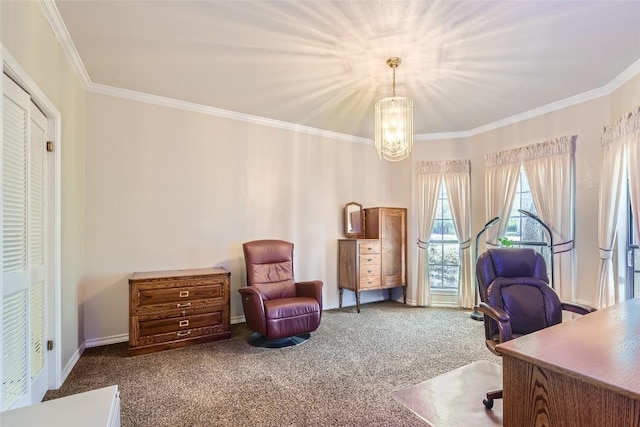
x: 394, y: 123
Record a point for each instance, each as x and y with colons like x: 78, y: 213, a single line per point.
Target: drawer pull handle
x: 369, y: 271
x: 184, y: 294
x: 188, y: 304
x: 369, y: 259
x: 183, y: 333
x: 369, y: 248
x: 184, y: 323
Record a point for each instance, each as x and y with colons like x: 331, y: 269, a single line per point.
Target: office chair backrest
x: 515, y: 280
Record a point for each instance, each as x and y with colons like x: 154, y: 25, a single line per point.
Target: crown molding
x: 52, y: 14
x: 219, y: 112
x: 622, y: 78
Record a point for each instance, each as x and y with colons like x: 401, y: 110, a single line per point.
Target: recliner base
x: 258, y: 340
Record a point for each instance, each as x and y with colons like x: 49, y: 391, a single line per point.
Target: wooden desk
x: 584, y: 372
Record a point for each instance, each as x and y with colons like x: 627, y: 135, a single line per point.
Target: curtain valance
x: 444, y: 166
x: 626, y: 124
x: 553, y: 147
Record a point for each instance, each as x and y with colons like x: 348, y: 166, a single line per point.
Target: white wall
x: 28, y: 37
x: 173, y: 189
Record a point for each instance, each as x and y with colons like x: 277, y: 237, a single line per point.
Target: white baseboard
x: 72, y: 362
x: 113, y: 339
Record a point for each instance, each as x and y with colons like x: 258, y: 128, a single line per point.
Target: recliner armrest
x: 577, y: 308
x: 310, y: 289
x: 253, y: 306
x: 501, y: 317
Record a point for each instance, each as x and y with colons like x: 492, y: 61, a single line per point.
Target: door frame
x: 14, y: 70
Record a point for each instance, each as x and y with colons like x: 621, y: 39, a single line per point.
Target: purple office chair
x: 516, y: 298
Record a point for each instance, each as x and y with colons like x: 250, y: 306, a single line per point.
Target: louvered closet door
x: 24, y: 365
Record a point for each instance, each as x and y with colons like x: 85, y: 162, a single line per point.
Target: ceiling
x: 322, y: 64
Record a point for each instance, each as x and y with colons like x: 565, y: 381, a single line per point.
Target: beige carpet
x: 343, y: 376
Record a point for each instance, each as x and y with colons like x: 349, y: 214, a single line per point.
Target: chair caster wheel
x: 488, y: 403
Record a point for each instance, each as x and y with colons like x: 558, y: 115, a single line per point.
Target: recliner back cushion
x: 270, y: 268
x: 274, y: 280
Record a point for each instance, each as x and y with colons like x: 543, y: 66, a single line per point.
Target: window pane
x: 513, y: 227
x: 532, y: 230
x: 451, y: 254
x: 448, y: 230
x: 435, y: 254
x: 435, y: 276
x: 450, y: 277
x: 436, y: 230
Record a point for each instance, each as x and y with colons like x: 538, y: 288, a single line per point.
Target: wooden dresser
x: 380, y: 260
x: 177, y: 308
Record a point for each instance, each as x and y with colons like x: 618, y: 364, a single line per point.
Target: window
x: 444, y: 250
x: 523, y: 230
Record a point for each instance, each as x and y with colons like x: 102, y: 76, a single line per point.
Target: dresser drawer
x: 369, y: 270
x: 157, y: 296
x: 153, y: 325
x: 369, y: 247
x: 371, y: 259
x: 368, y: 282
x: 187, y: 334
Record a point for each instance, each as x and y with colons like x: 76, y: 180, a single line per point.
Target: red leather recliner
x: 280, y: 311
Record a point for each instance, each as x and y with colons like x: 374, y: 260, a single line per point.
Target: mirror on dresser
x: 353, y: 221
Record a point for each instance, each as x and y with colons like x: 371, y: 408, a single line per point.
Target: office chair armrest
x: 577, y: 308
x: 496, y: 313
x: 311, y: 289
x: 501, y: 317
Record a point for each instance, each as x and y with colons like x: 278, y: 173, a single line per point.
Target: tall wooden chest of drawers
x: 177, y: 308
x: 380, y: 260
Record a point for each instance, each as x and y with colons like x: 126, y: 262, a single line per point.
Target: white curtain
x: 457, y: 182
x: 500, y: 183
x: 620, y: 142
x: 429, y: 180
x: 456, y: 178
x: 632, y: 128
x: 549, y: 169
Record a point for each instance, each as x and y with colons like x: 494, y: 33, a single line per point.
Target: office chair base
x: 476, y: 315
x: 257, y: 340
x: 488, y: 403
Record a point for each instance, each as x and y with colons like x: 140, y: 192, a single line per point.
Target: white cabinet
x: 99, y: 408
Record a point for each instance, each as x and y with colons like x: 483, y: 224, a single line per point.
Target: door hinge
x: 50, y: 146
x: 49, y: 345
